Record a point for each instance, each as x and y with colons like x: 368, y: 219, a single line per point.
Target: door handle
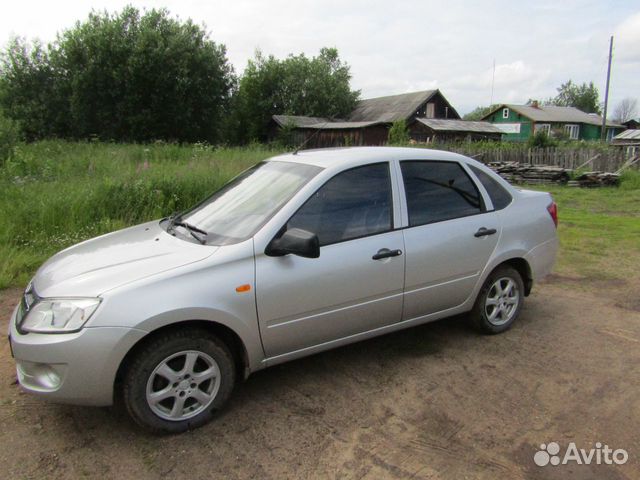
x: 483, y: 232
x: 386, y: 253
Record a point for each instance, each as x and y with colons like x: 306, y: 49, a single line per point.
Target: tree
x: 29, y: 90
x: 479, y: 113
x: 584, y: 97
x: 123, y: 76
x: 399, y: 133
x: 9, y: 138
x: 626, y: 110
x: 317, y: 86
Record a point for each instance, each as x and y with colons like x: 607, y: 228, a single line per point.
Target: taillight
x: 553, y: 211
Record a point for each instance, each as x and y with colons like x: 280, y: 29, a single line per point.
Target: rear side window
x: 499, y: 196
x: 355, y: 203
x: 438, y: 191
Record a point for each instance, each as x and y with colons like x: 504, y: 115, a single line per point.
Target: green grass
x: 54, y: 194
x: 599, y: 231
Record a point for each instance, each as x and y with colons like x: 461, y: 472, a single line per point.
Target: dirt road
x: 437, y: 401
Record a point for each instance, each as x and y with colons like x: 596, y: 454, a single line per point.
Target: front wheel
x: 178, y: 380
x: 499, y: 301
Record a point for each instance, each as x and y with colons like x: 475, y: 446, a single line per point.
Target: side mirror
x: 296, y: 242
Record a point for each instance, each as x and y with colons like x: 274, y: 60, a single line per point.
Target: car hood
x: 103, y: 263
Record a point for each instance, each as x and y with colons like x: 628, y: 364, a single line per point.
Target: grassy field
x: 54, y: 194
x: 599, y: 230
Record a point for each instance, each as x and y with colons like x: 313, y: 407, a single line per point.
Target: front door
x: 357, y: 282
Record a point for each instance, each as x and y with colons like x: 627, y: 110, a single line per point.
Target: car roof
x: 347, y: 156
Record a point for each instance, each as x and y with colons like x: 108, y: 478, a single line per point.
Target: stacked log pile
x: 518, y: 173
x: 596, y: 179
x: 515, y: 172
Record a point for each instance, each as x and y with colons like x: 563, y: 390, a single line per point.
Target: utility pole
x: 603, y: 131
x: 493, y: 77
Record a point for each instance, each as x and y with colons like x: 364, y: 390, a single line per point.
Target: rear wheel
x: 499, y: 301
x: 178, y: 380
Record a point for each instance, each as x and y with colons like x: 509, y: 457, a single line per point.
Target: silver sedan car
x: 299, y: 254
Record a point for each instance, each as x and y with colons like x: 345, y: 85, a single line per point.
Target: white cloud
x: 627, y: 39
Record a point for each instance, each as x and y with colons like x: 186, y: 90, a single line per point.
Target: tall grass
x: 54, y: 193
x: 630, y: 180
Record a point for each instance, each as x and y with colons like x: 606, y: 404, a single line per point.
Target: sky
x: 402, y: 46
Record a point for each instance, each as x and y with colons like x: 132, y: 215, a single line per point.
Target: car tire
x: 178, y: 380
x: 499, y: 301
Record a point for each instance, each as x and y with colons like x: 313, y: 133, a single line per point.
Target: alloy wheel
x: 183, y: 385
x: 501, y: 302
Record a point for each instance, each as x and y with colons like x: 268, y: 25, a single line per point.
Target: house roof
x: 628, y: 136
x: 368, y: 112
x: 552, y: 113
x: 318, y: 123
x: 445, y: 125
x: 344, y: 125
x: 393, y: 107
x: 297, y: 121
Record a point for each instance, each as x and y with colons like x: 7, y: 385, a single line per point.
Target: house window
x: 431, y: 110
x: 505, y: 113
x: 543, y: 127
x: 610, y: 134
x: 573, y: 131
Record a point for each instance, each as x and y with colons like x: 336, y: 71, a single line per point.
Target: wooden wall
x: 373, y: 136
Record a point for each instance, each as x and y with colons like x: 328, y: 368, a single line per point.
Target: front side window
x: 438, y: 191
x: 236, y: 211
x: 353, y: 204
x: 505, y: 113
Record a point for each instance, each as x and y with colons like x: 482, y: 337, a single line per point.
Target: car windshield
x: 236, y: 211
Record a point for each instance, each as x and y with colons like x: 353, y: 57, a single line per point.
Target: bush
x: 287, y: 136
x: 630, y: 180
x: 541, y: 140
x: 399, y: 133
x: 9, y: 138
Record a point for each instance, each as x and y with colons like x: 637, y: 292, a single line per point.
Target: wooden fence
x: 609, y: 160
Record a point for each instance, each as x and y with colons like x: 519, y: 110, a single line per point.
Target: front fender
x: 247, y: 335
x: 204, y: 291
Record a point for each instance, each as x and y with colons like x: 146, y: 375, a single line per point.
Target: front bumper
x: 77, y: 368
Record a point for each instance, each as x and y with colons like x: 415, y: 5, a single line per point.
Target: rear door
x: 305, y: 302
x: 449, y: 238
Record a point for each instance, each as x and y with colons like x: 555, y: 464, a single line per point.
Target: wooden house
x: 520, y: 122
x: 370, y: 121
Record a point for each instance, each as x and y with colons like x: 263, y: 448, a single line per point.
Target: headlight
x: 58, y: 315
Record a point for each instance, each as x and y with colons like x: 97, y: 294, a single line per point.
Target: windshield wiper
x: 174, y: 221
x: 466, y: 196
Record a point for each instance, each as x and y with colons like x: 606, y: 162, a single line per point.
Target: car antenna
x: 307, y: 140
